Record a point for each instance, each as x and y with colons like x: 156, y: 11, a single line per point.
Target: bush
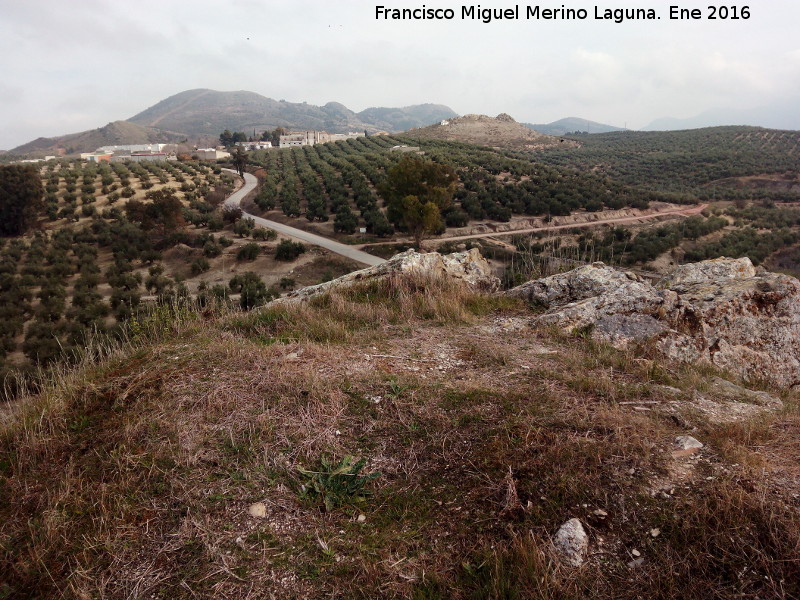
x: 211, y: 249
x: 253, y: 291
x: 200, y: 265
x: 259, y: 233
x: 231, y: 214
x: 288, y: 250
x: 249, y: 251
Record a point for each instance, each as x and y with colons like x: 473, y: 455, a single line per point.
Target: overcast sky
x: 71, y: 66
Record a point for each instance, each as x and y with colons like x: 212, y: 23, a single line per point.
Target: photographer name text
x: 563, y: 13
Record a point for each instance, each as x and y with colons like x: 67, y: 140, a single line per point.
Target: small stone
x: 655, y: 532
x: 687, y: 442
x: 636, y: 563
x: 361, y: 518
x: 600, y: 513
x: 258, y: 510
x: 572, y: 542
x: 635, y: 552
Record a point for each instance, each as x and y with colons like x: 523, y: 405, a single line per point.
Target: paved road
x: 250, y: 183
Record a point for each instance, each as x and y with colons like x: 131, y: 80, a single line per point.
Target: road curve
x: 250, y: 183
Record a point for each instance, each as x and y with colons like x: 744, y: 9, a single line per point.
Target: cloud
x: 70, y: 66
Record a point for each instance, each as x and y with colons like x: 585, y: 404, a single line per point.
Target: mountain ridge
x: 200, y: 114
x: 207, y: 112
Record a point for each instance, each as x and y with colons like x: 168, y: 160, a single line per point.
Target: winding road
x: 250, y: 183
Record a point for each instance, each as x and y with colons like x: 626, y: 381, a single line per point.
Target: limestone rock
x: 572, y: 542
x: 737, y: 393
x: 469, y: 267
x: 687, y: 442
x: 584, y: 282
x: 721, y: 311
x: 715, y: 269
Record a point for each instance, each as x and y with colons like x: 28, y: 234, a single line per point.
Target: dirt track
x: 681, y: 212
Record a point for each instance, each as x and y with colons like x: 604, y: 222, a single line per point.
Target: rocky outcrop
x: 468, y: 267
x: 722, y: 311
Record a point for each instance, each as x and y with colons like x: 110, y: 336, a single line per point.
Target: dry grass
x: 131, y: 475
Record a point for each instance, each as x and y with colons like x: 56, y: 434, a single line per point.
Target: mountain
x: 570, y: 125
x: 778, y: 115
x: 501, y: 131
x: 202, y: 114
x: 118, y: 132
x: 208, y: 112
x: 408, y: 117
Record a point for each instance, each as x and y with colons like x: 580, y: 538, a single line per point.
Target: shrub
x: 259, y: 233
x: 288, y: 250
x: 249, y: 251
x: 200, y: 265
x: 231, y: 214
x: 253, y: 291
x: 211, y: 249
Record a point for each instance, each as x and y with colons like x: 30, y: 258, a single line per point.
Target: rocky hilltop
x: 722, y: 311
x: 501, y: 131
x: 407, y: 431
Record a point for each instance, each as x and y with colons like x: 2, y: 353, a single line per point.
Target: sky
x: 72, y: 66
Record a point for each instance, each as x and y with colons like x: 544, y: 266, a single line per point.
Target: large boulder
x: 468, y: 267
x: 721, y: 311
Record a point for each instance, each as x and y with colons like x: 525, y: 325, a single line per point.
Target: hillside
x: 118, y: 132
x: 401, y: 438
x: 572, y: 125
x: 408, y: 117
x: 501, y: 132
x: 208, y: 112
x: 692, y: 161
x: 201, y: 115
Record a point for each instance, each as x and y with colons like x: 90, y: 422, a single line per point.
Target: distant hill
x: 208, y: 112
x: 408, y: 117
x: 501, y: 131
x: 118, y: 132
x: 779, y: 115
x: 572, y: 125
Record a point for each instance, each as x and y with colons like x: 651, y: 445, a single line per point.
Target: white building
x: 309, y: 138
x: 211, y: 154
x: 130, y: 148
x: 254, y: 145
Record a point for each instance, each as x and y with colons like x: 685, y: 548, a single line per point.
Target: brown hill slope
x: 200, y: 461
x: 118, y: 132
x: 501, y: 131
